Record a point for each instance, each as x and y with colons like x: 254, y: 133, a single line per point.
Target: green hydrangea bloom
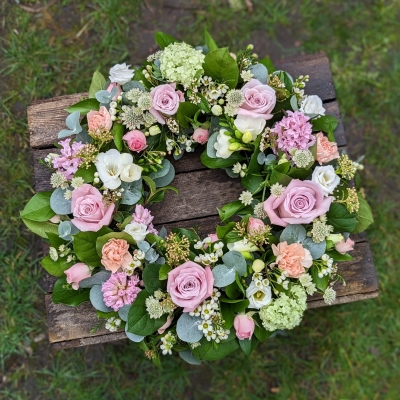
x: 180, y: 63
x: 285, y: 312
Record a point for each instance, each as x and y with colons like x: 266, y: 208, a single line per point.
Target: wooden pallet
x: 201, y: 191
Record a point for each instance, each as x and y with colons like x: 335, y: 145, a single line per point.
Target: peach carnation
x: 292, y: 258
x: 326, y: 150
x: 115, y: 255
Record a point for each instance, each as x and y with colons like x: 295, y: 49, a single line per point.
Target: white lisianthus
x: 312, y: 105
x: 222, y: 145
x: 247, y: 124
x: 326, y: 178
x: 137, y: 231
x: 114, y: 167
x: 258, y: 296
x: 242, y: 245
x: 121, y: 74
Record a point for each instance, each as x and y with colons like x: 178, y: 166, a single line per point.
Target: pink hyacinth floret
x: 67, y: 164
x: 294, y: 132
x: 120, y: 290
x: 143, y: 216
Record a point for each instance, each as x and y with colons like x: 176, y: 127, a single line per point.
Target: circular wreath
x: 277, y: 244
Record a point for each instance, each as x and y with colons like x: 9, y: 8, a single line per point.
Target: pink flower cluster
x: 143, y: 216
x: 68, y: 163
x: 294, y: 132
x: 120, y: 290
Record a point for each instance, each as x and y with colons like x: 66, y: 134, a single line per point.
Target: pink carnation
x: 67, y: 163
x: 326, y: 150
x: 120, y: 290
x: 294, y: 132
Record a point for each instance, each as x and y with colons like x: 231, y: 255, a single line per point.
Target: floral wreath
x: 277, y: 244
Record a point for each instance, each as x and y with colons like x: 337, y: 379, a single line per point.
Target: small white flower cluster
x: 246, y: 75
x: 194, y: 345
x: 246, y: 197
x: 259, y: 211
x: 188, y: 143
x: 49, y: 158
x: 63, y: 251
x: 320, y: 230
x: 209, y: 258
x: 259, y: 280
x: 138, y: 257
x: 329, y: 266
x: 77, y: 182
x: 329, y: 296
x: 307, y: 283
x: 211, y: 324
x: 358, y: 165
x: 117, y: 192
x: 212, y: 91
x: 302, y: 158
x: 158, y: 304
x: 277, y: 189
x: 113, y: 324
x: 282, y: 280
x: 240, y: 169
x: 168, y: 342
x: 58, y: 180
x: 155, y: 56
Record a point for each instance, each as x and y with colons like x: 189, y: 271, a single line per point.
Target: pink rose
x: 300, y: 203
x: 136, y: 140
x: 165, y: 326
x: 200, y: 135
x: 99, y: 119
x: 55, y: 219
x: 326, y: 150
x: 244, y: 326
x: 89, y: 210
x: 115, y: 254
x: 292, y: 258
x: 190, y: 284
x: 255, y: 224
x: 344, y: 246
x: 214, y: 237
x: 111, y: 87
x: 165, y: 100
x: 76, y: 273
x: 259, y: 100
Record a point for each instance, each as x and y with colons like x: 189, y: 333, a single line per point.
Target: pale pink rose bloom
x: 190, y: 284
x: 326, y: 150
x: 136, y: 140
x: 115, y: 255
x: 254, y: 224
x: 90, y: 213
x: 292, y: 258
x: 55, y: 219
x: 244, y: 326
x: 99, y: 119
x: 259, y: 100
x: 165, y: 326
x: 76, y: 273
x: 110, y: 88
x: 344, y: 246
x: 165, y: 100
x: 200, y: 135
x: 300, y: 203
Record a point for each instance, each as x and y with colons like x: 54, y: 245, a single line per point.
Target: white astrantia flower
x: 326, y: 178
x: 121, y: 74
x: 312, y: 105
x: 137, y: 231
x: 53, y: 253
x: 258, y: 296
x: 222, y: 145
x: 242, y: 245
x: 246, y: 197
x: 277, y: 189
x: 247, y: 124
x: 329, y: 296
x: 114, y: 167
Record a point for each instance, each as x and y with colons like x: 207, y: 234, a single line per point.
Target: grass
x: 344, y: 352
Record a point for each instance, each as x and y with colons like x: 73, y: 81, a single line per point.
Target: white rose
x: 247, y: 124
x: 137, y: 231
x: 242, y: 246
x: 113, y: 167
x: 312, y: 105
x: 121, y: 74
x: 326, y: 178
x: 258, y: 296
x: 222, y: 145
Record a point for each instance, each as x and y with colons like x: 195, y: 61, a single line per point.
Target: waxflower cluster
x: 279, y: 241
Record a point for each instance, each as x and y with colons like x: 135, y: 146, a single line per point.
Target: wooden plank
x: 74, y: 323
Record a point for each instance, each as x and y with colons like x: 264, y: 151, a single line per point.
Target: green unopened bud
x: 247, y: 255
x: 206, y: 125
x: 335, y: 238
x: 234, y: 146
x: 250, y: 47
x: 238, y: 134
x: 154, y: 130
x: 258, y: 265
x: 247, y: 137
x: 221, y: 101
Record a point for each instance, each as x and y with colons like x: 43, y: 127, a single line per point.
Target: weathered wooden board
x: 201, y: 191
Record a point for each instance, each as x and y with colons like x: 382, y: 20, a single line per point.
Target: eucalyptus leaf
x: 124, y: 311
x: 96, y: 279
x: 187, y: 328
x: 73, y: 124
x: 66, y: 229
x: 105, y: 97
x: 163, y: 232
x: 167, y: 178
x: 261, y: 158
x: 166, y: 165
x: 231, y: 174
x: 211, y: 151
x: 223, y: 276
x: 260, y: 72
x: 131, y: 336
x: 188, y: 356
x: 316, y: 249
x: 96, y: 298
x: 236, y: 261
x: 133, y: 85
x: 293, y: 234
x: 131, y: 196
x: 58, y: 203
x: 143, y: 245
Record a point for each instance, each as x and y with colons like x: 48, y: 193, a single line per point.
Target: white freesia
x: 312, y: 105
x: 242, y: 245
x: 326, y: 178
x: 258, y: 296
x: 137, y: 231
x: 121, y: 74
x: 247, y: 124
x: 222, y: 145
x: 114, y: 167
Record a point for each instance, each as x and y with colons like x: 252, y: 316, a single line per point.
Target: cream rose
x: 326, y: 178
x: 121, y: 74
x: 137, y: 231
x: 312, y: 105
